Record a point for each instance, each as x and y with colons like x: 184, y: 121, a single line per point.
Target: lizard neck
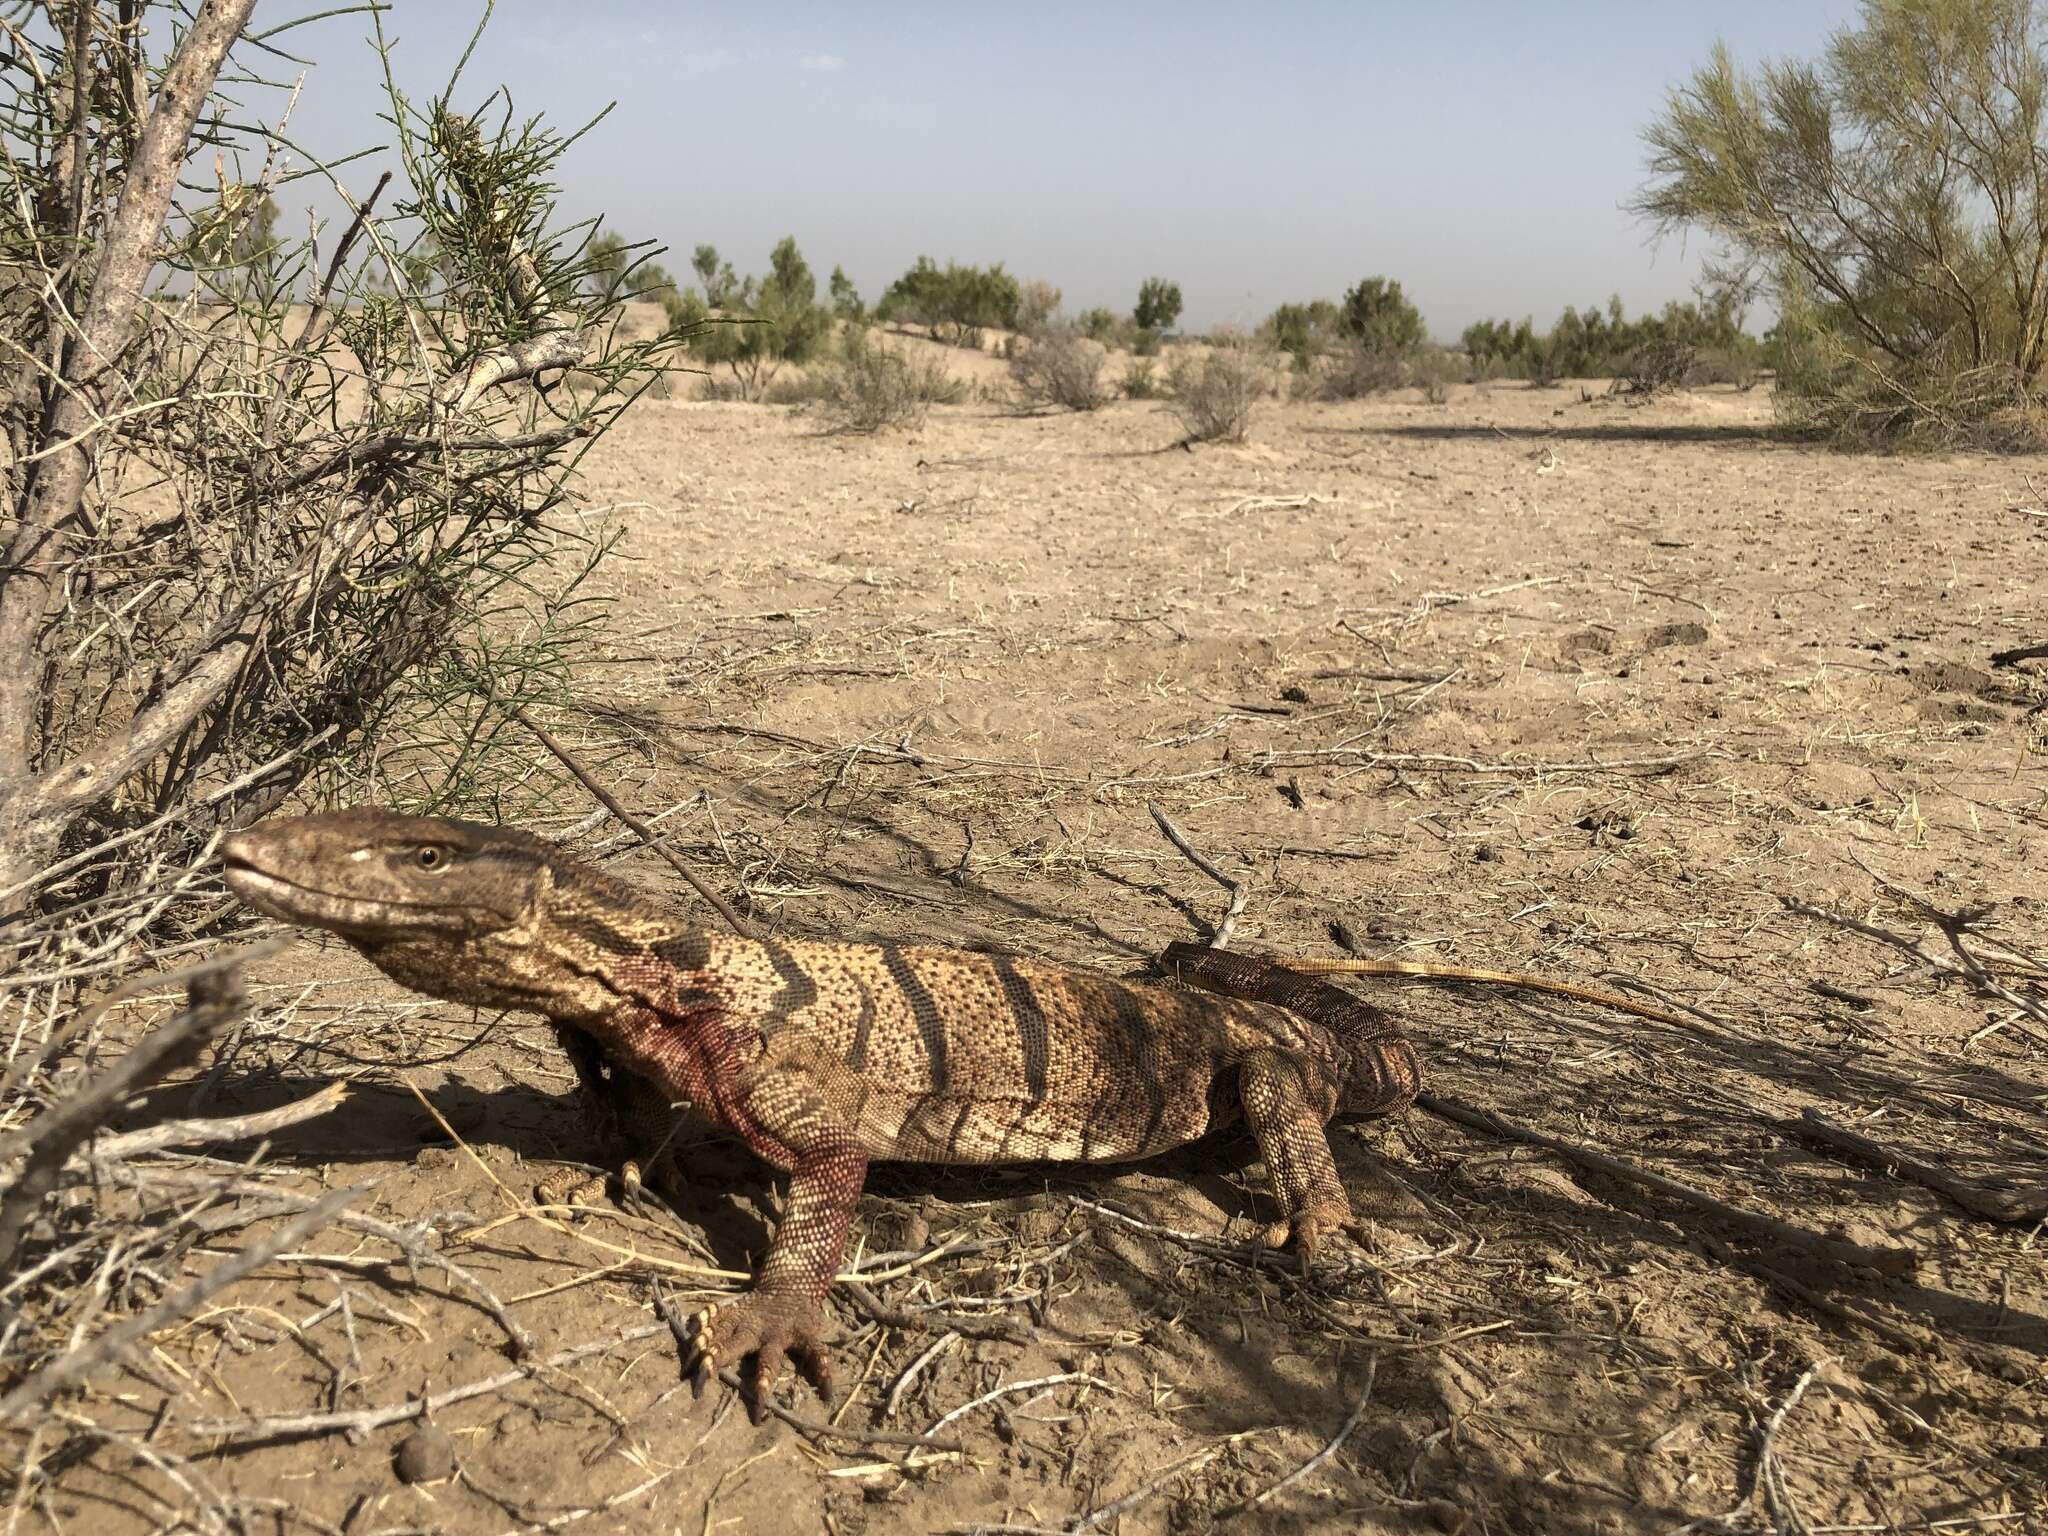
x: 586, y: 950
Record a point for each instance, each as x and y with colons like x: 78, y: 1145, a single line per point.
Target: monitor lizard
x: 824, y: 1056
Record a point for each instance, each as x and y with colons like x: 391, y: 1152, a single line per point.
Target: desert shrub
x: 805, y: 386
x: 1060, y: 368
x: 1158, y: 306
x: 1890, y: 192
x: 1141, y: 380
x: 715, y: 278
x: 1433, y: 370
x: 1214, y: 393
x: 297, y: 531
x: 617, y: 270
x: 1038, y: 304
x: 1604, y: 342
x: 1657, y: 366
x: 955, y: 303
x: 873, y: 386
x: 1353, y: 372
x: 1378, y: 316
x: 1723, y: 365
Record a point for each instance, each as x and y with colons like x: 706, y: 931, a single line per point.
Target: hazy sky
x: 1478, y: 152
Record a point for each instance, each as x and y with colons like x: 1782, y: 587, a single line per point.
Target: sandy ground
x: 1533, y: 679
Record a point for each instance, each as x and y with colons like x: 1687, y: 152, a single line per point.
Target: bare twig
x: 287, y: 1426
x: 950, y: 1322
x: 1439, y: 762
x: 1372, y: 1366
x: 911, y: 1372
x: 1237, y: 888
x: 1013, y: 1387
x: 1954, y: 926
x: 1193, y: 1462
x: 214, y: 1001
x: 1770, y: 1488
x: 640, y: 828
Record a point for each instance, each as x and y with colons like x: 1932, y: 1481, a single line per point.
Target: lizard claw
x: 766, y: 1326
x: 1307, y: 1228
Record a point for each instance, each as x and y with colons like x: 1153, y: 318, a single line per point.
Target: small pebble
x: 426, y: 1455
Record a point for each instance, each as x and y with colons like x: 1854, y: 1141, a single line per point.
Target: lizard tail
x: 1384, y: 1074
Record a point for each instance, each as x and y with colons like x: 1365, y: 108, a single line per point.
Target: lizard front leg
x: 790, y: 1107
x: 1286, y: 1104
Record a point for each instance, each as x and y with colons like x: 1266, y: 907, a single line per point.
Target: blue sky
x: 1478, y: 152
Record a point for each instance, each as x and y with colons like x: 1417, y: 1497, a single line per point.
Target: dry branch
x: 1954, y: 926
x: 47, y: 1143
x: 2021, y: 1206
x: 1372, y: 1366
x: 284, y: 1426
x: 193, y: 1133
x: 41, y: 543
x: 70, y: 1369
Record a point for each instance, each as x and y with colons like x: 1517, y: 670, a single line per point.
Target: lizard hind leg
x: 1286, y: 1102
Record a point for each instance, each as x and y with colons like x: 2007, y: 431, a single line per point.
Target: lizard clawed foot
x: 574, y: 1187
x: 764, y: 1326
x: 571, y: 1186
x: 1307, y: 1228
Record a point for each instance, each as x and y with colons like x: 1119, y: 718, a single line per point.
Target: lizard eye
x: 430, y: 857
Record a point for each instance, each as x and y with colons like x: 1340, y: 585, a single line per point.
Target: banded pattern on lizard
x: 824, y: 1056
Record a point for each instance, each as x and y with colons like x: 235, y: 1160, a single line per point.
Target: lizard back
x: 964, y: 1057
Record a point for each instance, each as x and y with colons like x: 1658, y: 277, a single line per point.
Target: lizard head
x: 454, y: 909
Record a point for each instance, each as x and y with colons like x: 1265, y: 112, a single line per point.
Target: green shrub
x: 801, y: 387
x: 1158, y: 305
x: 1433, y: 370
x: 715, y: 277
x: 1379, y: 317
x: 1303, y: 331
x: 1098, y: 325
x: 1038, y: 304
x: 1354, y: 372
x: 955, y: 303
x: 764, y: 323
x: 846, y: 301
x: 1603, y: 342
x: 1891, y: 190
x: 1141, y: 380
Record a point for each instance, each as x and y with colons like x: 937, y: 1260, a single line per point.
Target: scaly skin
x: 825, y: 1056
